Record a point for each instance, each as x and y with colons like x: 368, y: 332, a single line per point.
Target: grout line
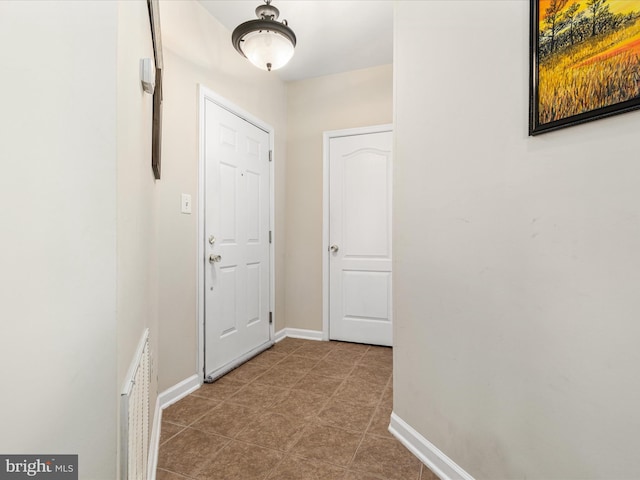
x: 175, y: 473
x: 313, y: 420
x: 364, y: 433
x: 310, y: 422
x: 204, y: 414
x: 286, y: 453
x: 273, y: 469
x: 227, y: 437
x: 326, y: 462
x: 203, y: 461
x: 182, y: 429
x: 252, y: 444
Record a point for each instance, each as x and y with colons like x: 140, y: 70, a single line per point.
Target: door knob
x: 334, y: 248
x: 214, y: 258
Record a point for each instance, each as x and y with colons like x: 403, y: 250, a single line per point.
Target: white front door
x: 237, y: 263
x: 360, y: 183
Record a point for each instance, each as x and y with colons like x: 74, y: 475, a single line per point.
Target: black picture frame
x: 156, y: 135
x: 539, y: 49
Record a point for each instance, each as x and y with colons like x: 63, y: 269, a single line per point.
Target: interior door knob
x: 214, y: 258
x: 334, y: 248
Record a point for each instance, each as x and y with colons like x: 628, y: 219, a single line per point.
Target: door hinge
x: 271, y: 155
x: 269, y: 236
x: 270, y: 318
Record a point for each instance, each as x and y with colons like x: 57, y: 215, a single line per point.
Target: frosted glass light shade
x: 267, y: 50
x: 265, y: 42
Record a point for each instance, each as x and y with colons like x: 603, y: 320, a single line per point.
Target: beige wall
x: 136, y: 197
x: 516, y: 258
x: 353, y: 99
x: 198, y: 49
x: 58, y: 230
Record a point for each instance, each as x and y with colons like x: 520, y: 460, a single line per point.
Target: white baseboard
x: 179, y: 391
x: 428, y: 453
x: 280, y: 335
x: 298, y: 333
x: 165, y: 399
x: 154, y: 442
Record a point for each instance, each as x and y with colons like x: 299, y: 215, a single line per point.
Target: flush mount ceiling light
x: 267, y: 43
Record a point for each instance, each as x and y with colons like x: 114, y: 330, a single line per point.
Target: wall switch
x: 186, y: 203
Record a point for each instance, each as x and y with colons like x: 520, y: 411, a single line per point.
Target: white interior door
x: 237, y: 263
x: 360, y: 169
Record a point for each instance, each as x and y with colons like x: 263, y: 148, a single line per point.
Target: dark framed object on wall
x: 156, y: 137
x: 585, y: 61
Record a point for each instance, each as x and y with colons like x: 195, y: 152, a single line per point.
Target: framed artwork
x: 156, y: 135
x: 585, y: 61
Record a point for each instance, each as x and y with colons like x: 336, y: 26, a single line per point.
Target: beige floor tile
x: 380, y: 423
x: 280, y: 376
x: 386, y: 457
x: 349, y: 346
x: 288, y: 345
x: 315, y: 349
x: 219, y: 390
x: 273, y: 430
x: 387, y: 396
x: 325, y: 368
x: 381, y: 356
x: 258, y: 396
x: 344, y: 356
x: 299, y: 411
x: 240, y: 461
x: 317, y: 384
x: 360, y: 392
x: 346, y: 415
x: 298, y: 362
x: 297, y: 468
x: 227, y: 419
x: 300, y: 404
x: 327, y: 444
x: 246, y: 373
x: 371, y: 373
x: 168, y: 430
x: 385, y: 353
x: 377, y: 362
x: 268, y: 359
x: 186, y: 452
x: 351, y: 475
x: 187, y: 410
x: 167, y: 475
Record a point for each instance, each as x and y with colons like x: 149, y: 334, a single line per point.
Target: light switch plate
x: 186, y: 203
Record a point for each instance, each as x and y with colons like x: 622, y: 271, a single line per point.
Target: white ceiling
x: 333, y: 35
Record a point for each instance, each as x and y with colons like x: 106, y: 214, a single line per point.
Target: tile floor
x: 302, y: 410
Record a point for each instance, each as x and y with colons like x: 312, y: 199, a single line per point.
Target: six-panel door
x: 237, y: 267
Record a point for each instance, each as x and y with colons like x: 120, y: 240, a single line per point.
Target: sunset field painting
x: 585, y: 61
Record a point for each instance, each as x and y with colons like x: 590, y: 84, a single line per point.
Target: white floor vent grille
x: 135, y: 415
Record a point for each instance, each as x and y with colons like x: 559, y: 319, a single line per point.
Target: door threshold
x: 219, y: 372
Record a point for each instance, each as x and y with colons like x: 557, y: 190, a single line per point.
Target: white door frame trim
x: 206, y: 94
x: 326, y: 137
